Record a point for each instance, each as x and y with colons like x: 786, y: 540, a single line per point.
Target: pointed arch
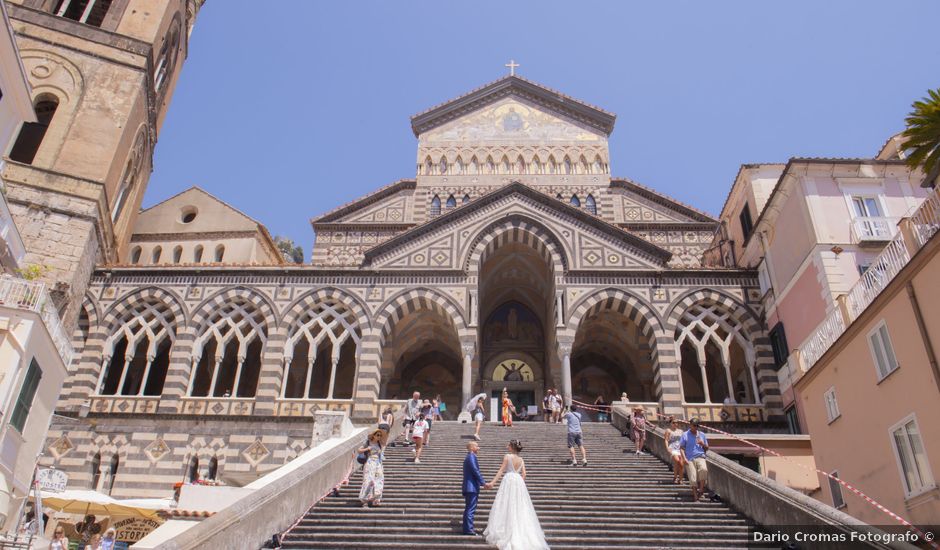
x: 435, y: 209
x: 407, y: 301
x: 568, y: 168
x: 459, y: 168
x: 598, y: 166
x: 521, y: 229
x: 442, y: 166
x: 504, y: 167
x: 428, y: 165
x: 536, y: 165
x: 590, y: 204
x: 451, y: 202
x: 474, y: 166
x: 490, y: 165
x: 552, y: 165
x: 520, y: 167
x: 466, y: 199
x: 583, y: 165
x: 575, y: 201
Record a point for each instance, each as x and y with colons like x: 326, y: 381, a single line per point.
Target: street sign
x: 52, y: 480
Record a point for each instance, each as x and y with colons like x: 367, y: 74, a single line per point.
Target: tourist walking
x: 692, y: 445
x: 513, y: 523
x: 508, y: 409
x: 575, y: 437
x: 436, y: 409
x: 418, y: 431
x: 373, y: 473
x: 470, y: 488
x: 672, y: 436
x: 427, y: 409
x: 603, y: 411
x: 412, y: 409
x: 639, y: 428
x: 386, y: 419
x: 556, y: 403
x: 547, y: 405
x: 476, y: 410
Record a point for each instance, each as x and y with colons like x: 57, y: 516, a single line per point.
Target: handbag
x: 442, y: 407
x: 362, y: 458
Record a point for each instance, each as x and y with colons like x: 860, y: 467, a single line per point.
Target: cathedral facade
x: 512, y: 259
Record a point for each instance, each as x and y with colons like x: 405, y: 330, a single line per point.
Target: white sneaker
x: 417, y: 461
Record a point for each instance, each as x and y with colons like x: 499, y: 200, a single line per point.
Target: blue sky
x: 286, y: 109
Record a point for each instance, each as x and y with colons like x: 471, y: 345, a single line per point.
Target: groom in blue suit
x: 472, y: 483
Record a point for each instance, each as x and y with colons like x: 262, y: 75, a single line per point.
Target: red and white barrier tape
x: 841, y: 482
x: 590, y: 407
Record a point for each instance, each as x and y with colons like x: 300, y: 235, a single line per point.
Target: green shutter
x: 25, y: 399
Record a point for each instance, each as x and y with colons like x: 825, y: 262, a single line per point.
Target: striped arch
x: 412, y: 300
x: 126, y: 306
x: 239, y: 294
x: 699, y: 315
x: 328, y: 295
x: 516, y: 229
x: 318, y: 318
x: 612, y: 299
x: 707, y: 296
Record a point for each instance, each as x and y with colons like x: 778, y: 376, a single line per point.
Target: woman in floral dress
x: 508, y: 409
x: 373, y: 474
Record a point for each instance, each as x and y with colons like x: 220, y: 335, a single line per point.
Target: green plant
x: 31, y: 272
x: 922, y: 136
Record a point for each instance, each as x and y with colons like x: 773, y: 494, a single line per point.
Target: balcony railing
x: 920, y: 227
x: 823, y: 337
x: 873, y: 229
x: 32, y: 296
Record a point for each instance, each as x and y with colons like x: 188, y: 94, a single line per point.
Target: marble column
x: 564, y: 349
x: 468, y: 349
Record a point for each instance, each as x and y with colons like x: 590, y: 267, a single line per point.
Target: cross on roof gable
x: 588, y: 114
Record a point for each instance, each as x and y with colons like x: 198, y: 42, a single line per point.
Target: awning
x: 83, y: 501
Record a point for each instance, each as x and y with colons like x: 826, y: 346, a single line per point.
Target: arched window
x: 451, y: 202
x: 166, y: 60
x: 559, y: 197
x: 575, y: 201
x: 428, y: 166
x: 320, y: 353
x: 598, y: 167
x: 490, y: 166
x: 155, y: 256
x: 460, y: 167
x: 435, y: 206
x: 504, y: 166
x: 552, y: 165
x: 112, y: 472
x: 95, y: 471
x: 177, y: 254
x: 192, y: 471
x: 520, y: 165
x: 32, y: 133
x: 474, y: 166
x: 536, y: 166
x: 90, y: 12
x: 590, y: 205
x: 466, y: 199
x: 583, y: 165
x: 568, y: 167
x: 442, y: 166
x: 213, y: 468
x: 219, y: 252
x: 135, y: 255
x: 227, y: 353
x: 197, y: 253
x: 138, y: 352
x: 131, y: 171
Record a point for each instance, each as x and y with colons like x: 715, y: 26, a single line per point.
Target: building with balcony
x: 872, y: 369
x: 35, y: 349
x: 810, y: 228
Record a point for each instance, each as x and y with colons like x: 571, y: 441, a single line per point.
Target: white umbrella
x: 82, y: 501
x: 472, y: 404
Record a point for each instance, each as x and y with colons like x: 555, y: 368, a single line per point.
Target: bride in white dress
x: 513, y: 523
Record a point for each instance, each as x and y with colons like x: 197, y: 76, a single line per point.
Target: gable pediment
x: 639, y: 204
x: 448, y: 242
x: 532, y: 94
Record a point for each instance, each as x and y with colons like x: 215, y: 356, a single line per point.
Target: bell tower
x: 102, y: 74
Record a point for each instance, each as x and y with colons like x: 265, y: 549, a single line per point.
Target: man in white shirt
x: 412, y: 408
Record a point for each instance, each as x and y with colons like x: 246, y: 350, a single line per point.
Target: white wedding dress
x: 513, y: 523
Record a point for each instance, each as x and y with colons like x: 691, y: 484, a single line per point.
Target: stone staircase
x: 620, y: 500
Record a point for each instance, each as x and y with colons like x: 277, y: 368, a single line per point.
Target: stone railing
x: 760, y: 498
x: 916, y: 230
x: 306, y: 407
x: 32, y: 296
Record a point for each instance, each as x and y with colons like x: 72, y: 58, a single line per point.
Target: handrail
x: 924, y: 224
x: 32, y: 296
